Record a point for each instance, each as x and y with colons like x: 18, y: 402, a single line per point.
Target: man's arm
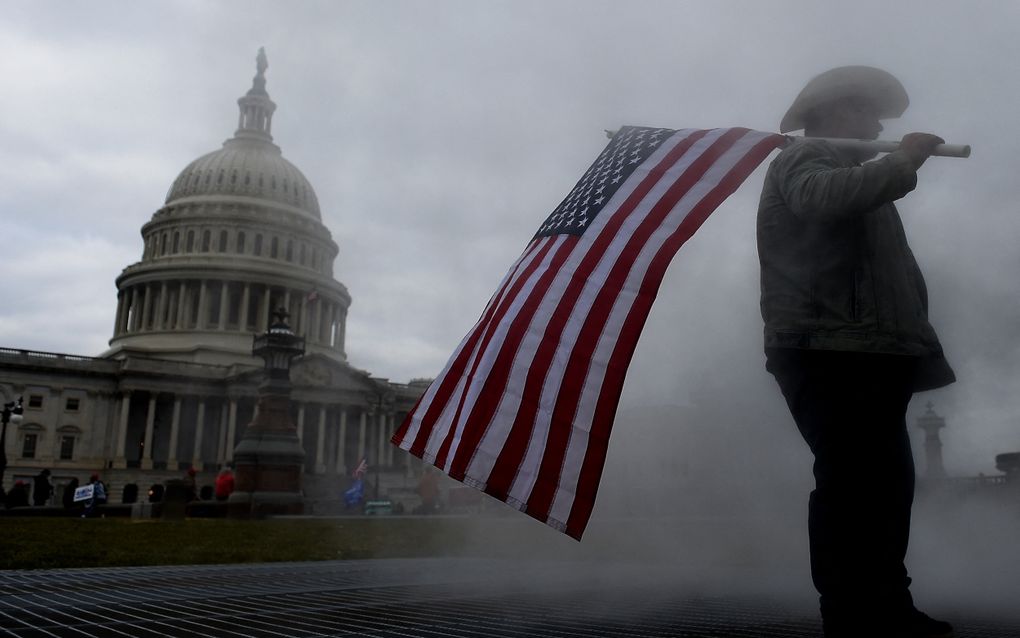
x: 817, y: 187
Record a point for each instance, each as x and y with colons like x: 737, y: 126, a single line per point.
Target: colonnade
x: 338, y: 435
x: 209, y: 304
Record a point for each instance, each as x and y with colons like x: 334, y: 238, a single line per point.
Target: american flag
x: 359, y: 472
x: 524, y: 407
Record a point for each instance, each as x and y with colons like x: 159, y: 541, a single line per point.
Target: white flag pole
x: 875, y: 146
x: 886, y: 146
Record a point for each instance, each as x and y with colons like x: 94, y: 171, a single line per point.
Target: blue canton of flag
x: 625, y: 152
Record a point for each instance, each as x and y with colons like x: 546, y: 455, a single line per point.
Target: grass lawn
x: 40, y: 543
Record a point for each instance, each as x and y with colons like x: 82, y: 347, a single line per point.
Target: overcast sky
x: 438, y: 135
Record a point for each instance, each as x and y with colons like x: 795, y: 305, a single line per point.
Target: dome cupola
x: 249, y: 164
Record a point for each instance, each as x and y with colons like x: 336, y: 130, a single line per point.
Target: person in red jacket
x: 224, y: 484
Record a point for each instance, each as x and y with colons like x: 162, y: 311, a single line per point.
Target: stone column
x: 160, y: 323
x: 120, y: 460
x: 231, y: 427
x: 118, y: 318
x: 387, y: 433
x: 341, y: 444
x: 146, y: 307
x: 224, y: 305
x: 203, y: 307
x: 263, y: 322
x: 302, y: 322
x: 221, y: 445
x: 341, y: 330
x: 150, y: 423
x: 242, y: 313
x: 286, y: 300
x: 133, y: 311
x: 175, y: 425
x: 320, y: 324
x: 196, y: 455
x: 182, y: 297
x: 301, y: 422
x: 380, y: 452
x: 320, y: 443
x: 362, y: 436
x: 315, y: 321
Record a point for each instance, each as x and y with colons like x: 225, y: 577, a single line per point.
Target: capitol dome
x: 239, y: 235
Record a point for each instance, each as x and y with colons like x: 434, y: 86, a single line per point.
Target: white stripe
x: 445, y: 418
x: 430, y: 394
x: 486, y: 361
x: 498, y: 429
x: 525, y: 480
x: 563, y: 501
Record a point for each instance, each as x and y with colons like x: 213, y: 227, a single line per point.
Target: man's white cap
x: 879, y: 87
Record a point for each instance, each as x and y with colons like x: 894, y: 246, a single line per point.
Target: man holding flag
x: 848, y: 340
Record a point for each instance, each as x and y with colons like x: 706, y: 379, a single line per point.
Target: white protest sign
x: 84, y: 493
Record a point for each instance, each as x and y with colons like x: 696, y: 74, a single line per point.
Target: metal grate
x: 388, y: 598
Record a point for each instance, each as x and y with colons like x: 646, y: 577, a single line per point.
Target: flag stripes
x: 524, y: 408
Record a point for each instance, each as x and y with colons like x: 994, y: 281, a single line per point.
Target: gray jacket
x: 836, y: 271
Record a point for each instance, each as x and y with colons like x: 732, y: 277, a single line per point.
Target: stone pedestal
x: 269, y: 457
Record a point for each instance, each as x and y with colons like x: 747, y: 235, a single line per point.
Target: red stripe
x: 514, y: 449
x: 562, y: 419
x: 456, y: 369
x: 401, y: 432
x: 609, y: 397
x: 498, y: 319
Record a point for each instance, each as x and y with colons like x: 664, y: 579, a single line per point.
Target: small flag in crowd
x: 524, y: 407
x: 359, y: 472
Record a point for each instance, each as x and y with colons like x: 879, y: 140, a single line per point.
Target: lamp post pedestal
x: 269, y: 457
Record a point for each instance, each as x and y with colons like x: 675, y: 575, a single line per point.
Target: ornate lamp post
x: 269, y: 457
x: 931, y: 423
x: 11, y: 414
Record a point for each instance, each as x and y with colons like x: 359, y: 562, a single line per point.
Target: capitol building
x: 239, y: 235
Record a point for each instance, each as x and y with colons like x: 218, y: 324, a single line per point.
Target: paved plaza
x: 390, y: 598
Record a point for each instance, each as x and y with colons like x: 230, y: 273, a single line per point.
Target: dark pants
x: 851, y: 409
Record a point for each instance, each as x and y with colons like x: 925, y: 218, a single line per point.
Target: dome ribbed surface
x: 248, y: 168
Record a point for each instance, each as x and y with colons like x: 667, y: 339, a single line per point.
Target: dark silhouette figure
x: 130, y: 494
x: 848, y: 340
x: 98, y: 497
x: 68, y: 496
x: 42, y: 489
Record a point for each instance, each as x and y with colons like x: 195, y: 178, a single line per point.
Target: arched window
x: 240, y: 242
x: 177, y: 242
x: 190, y: 246
x: 205, y: 241
x: 223, y: 241
x: 162, y: 249
x: 258, y: 245
x: 302, y: 254
x: 290, y: 250
x: 274, y: 248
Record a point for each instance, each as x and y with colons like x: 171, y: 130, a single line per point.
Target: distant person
x: 848, y: 340
x: 98, y: 497
x: 354, y: 496
x: 42, y: 489
x: 428, y: 490
x: 224, y: 484
x: 18, y: 495
x: 68, y: 496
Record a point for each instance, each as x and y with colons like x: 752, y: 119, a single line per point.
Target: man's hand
x: 919, y: 146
